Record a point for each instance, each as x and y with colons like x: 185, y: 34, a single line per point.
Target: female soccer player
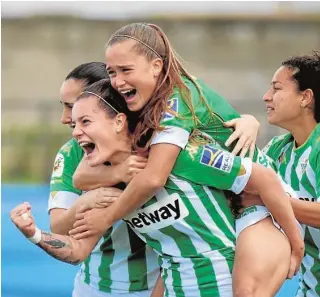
x: 189, y: 225
x: 174, y: 105
x: 293, y: 103
x: 120, y: 264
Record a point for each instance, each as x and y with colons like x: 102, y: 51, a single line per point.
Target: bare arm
x: 306, y: 212
x: 158, y: 290
x: 142, y: 187
x: 62, y: 220
x: 88, y: 178
x: 63, y: 248
x: 268, y: 185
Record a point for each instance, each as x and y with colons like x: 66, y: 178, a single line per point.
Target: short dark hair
x: 307, y: 76
x: 104, y: 89
x: 89, y: 73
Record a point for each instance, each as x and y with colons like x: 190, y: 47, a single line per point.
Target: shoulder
x: 278, y: 142
x: 69, y: 152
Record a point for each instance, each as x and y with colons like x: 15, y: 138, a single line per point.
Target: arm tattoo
x: 60, y: 249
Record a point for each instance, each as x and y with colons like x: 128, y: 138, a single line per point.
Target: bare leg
x: 262, y: 260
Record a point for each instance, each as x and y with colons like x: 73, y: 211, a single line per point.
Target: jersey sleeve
x: 274, y: 146
x: 177, y: 122
x: 62, y: 192
x: 315, y: 165
x: 210, y: 165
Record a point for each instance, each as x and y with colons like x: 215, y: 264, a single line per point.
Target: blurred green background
x: 234, y: 46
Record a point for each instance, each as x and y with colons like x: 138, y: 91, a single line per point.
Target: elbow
x: 260, y: 178
x: 155, y: 182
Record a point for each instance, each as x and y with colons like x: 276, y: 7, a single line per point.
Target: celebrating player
x: 293, y: 104
x: 120, y: 263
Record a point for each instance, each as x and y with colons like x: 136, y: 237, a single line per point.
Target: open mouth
x: 269, y: 109
x: 129, y: 94
x: 88, y: 147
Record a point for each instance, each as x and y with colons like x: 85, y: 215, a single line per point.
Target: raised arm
x: 61, y: 247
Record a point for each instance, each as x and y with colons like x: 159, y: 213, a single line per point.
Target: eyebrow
x: 121, y: 66
x: 276, y: 82
x: 62, y: 102
x: 80, y: 118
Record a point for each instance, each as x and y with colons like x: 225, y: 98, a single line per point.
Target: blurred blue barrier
x: 26, y: 270
x: 29, y: 272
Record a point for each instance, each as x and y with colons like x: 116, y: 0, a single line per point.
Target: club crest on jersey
x: 58, y: 166
x: 304, y: 165
x: 216, y: 158
x: 172, y: 109
x: 161, y: 214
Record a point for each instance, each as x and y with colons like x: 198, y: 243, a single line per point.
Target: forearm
x: 88, y: 178
x: 65, y: 248
x: 62, y: 220
x: 278, y: 203
x: 158, y: 290
x: 139, y: 191
x: 306, y: 212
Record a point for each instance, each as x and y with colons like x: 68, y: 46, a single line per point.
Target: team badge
x: 303, y: 165
x: 58, y: 166
x: 172, y: 109
x: 217, y: 158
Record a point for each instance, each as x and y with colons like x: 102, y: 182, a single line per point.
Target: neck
x: 121, y: 155
x: 301, y: 129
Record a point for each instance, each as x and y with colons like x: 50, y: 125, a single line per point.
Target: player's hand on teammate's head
x: 246, y: 133
x: 21, y: 216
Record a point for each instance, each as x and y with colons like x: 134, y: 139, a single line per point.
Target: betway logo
x: 163, y: 213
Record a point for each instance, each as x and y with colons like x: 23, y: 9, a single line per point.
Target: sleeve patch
x: 58, y: 166
x: 217, y: 159
x: 172, y: 109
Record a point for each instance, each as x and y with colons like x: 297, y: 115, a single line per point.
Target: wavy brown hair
x: 155, y: 44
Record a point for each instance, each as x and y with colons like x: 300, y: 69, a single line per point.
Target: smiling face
x: 99, y: 135
x: 132, y: 74
x: 283, y: 100
x: 69, y: 91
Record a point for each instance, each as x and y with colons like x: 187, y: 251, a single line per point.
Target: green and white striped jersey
x: 179, y: 123
x: 121, y: 262
x: 300, y: 167
x: 191, y: 227
x: 186, y: 241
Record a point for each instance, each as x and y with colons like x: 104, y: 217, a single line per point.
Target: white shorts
x: 81, y: 289
x: 254, y: 214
